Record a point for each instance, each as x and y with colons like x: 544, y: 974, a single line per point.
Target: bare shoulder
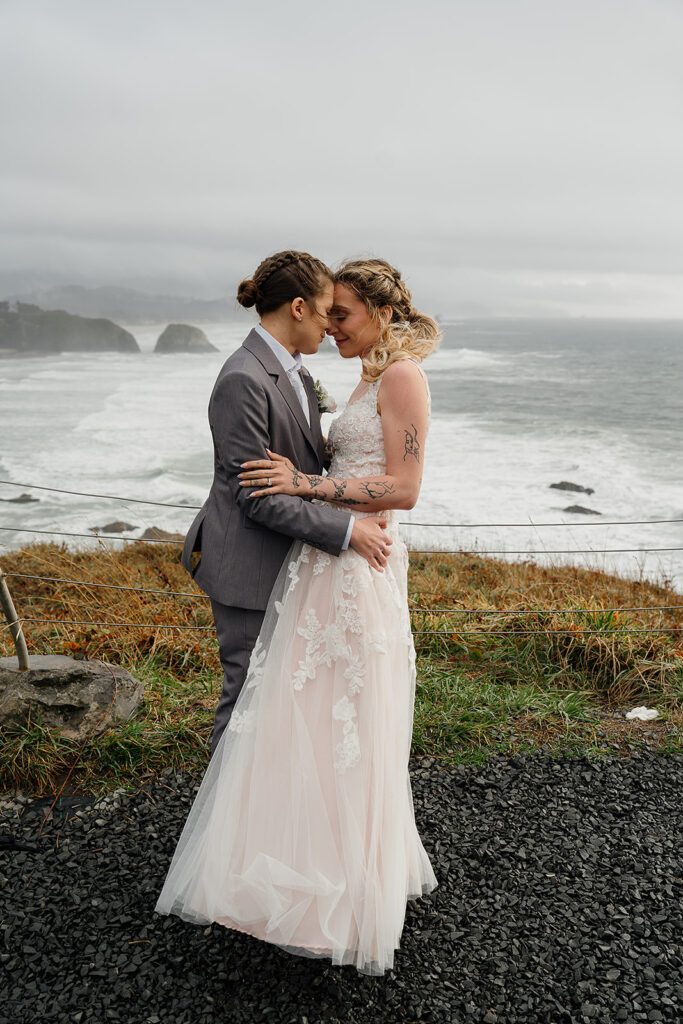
x: 402, y: 382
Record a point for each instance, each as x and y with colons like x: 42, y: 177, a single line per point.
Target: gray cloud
x: 512, y: 156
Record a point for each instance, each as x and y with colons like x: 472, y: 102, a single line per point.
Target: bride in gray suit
x: 302, y: 832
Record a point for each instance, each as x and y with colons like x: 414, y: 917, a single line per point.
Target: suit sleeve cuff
x: 349, y: 531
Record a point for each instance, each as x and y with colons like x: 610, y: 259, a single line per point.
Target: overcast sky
x: 510, y: 156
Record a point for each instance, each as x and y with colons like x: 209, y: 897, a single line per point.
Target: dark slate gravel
x: 559, y: 901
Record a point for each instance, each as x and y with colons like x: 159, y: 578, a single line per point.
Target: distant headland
x: 27, y: 328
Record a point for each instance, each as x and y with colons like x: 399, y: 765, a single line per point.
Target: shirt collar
x: 288, y: 361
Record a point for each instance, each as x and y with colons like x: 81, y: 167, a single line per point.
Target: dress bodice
x: 357, y: 439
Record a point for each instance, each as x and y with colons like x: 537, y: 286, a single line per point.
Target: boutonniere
x: 325, y: 401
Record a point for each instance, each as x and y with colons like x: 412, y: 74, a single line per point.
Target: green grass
x: 477, y: 695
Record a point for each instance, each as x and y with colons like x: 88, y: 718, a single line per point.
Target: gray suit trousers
x: 237, y: 630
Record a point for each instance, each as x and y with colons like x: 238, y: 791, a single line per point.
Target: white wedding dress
x: 302, y: 832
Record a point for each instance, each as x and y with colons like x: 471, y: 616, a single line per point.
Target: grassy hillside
x: 487, y: 683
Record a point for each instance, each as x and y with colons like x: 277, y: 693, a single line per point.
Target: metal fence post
x: 14, y: 624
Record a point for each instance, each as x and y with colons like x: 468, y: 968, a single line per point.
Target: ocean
x: 516, y: 406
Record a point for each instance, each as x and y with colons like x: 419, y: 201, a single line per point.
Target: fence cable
x: 453, y: 633
x: 422, y: 611
x: 482, y: 553
x: 93, y: 536
x: 89, y: 494
x: 106, y: 586
x: 459, y: 526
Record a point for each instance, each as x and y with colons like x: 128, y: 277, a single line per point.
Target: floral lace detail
x: 349, y: 748
x: 325, y: 645
x: 242, y: 721
x: 256, y: 666
x: 358, y: 439
x: 321, y: 563
x: 293, y: 570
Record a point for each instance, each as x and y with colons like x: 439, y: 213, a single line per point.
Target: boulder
x: 31, y: 329
x: 579, y: 509
x: 183, y: 338
x: 22, y: 499
x: 67, y: 694
x: 156, y: 533
x: 565, y: 485
x: 116, y: 527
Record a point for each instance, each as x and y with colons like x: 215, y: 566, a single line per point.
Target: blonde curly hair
x: 408, y: 334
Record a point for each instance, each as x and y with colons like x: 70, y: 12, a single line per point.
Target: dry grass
x: 477, y: 694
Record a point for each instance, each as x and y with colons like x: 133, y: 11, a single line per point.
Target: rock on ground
x: 78, y: 697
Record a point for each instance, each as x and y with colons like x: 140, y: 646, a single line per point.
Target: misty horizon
x: 511, y: 160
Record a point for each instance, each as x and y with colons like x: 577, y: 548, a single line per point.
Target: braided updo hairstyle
x: 408, y: 334
x: 282, y: 278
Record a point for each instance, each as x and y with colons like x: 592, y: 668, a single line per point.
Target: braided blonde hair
x: 408, y: 334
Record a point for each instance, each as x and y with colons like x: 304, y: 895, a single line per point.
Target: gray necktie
x: 298, y: 385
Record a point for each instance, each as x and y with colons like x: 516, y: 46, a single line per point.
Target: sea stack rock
x: 566, y: 485
x: 183, y: 338
x: 581, y: 510
x: 31, y: 329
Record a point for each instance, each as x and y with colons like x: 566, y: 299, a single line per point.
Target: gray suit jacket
x: 243, y: 543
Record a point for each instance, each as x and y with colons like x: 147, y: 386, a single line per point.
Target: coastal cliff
x: 30, y: 329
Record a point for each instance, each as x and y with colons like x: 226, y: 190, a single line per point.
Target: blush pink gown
x: 302, y: 832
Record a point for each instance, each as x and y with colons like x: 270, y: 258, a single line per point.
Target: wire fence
x: 452, y: 632
x: 414, y: 551
x: 435, y: 611
x: 458, y: 526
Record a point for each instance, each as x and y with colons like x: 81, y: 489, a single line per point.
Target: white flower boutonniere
x: 325, y: 401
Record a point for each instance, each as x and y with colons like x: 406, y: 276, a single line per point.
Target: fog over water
x: 517, y: 159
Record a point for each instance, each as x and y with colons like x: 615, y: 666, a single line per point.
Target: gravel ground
x: 559, y: 901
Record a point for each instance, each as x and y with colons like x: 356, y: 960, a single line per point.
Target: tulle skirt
x: 302, y: 832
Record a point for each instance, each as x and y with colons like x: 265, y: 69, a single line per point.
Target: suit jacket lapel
x: 257, y: 346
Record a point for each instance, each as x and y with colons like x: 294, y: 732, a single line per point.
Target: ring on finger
x: 267, y: 481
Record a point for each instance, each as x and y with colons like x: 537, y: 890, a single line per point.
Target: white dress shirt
x: 292, y: 364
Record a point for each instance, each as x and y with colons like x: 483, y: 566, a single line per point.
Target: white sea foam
x: 136, y: 425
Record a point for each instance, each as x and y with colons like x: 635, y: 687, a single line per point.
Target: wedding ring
x: 268, y: 481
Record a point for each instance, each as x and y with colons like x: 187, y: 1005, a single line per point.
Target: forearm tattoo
x: 412, y: 445
x: 313, y: 480
x: 377, y: 490
x: 339, y: 488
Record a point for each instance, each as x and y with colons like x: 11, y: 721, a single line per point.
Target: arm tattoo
x: 377, y: 490
x: 314, y: 481
x: 339, y: 488
x: 412, y: 445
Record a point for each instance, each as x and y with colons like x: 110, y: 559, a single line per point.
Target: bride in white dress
x: 302, y: 832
